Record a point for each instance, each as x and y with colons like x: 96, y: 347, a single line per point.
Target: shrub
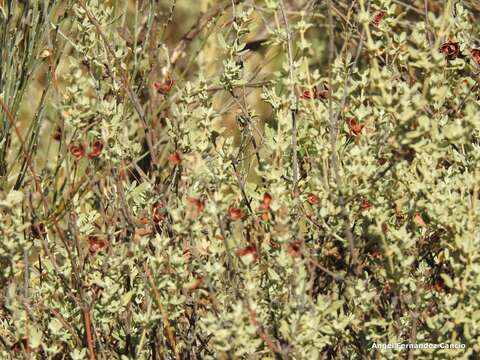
x: 239, y: 179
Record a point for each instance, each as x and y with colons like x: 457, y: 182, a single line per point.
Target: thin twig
x: 64, y: 322
x: 407, y: 6
x: 275, y: 349
x: 293, y: 107
x: 166, y: 322
x: 241, y: 185
x: 88, y: 333
x: 334, y: 125
x: 413, y: 332
x: 427, y: 27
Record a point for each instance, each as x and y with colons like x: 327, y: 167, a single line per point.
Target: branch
x: 166, y: 322
x: 293, y: 109
x: 413, y: 332
x: 427, y: 27
x: 334, y: 125
x: 88, y: 333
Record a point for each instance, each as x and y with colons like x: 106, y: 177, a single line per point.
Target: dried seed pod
x: 377, y: 18
x: 198, y: 204
x: 157, y: 213
x: 250, y: 250
x: 475, y: 55
x: 95, y: 244
x: 57, y: 133
x: 38, y: 230
x: 354, y: 126
x: 450, y: 49
x: 175, y: 158
x: 165, y: 87
x: 77, y: 150
x: 97, y: 148
x: 294, y: 248
x: 235, y: 214
x: 313, y: 199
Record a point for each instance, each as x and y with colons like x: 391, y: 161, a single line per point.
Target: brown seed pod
x: 157, y: 213
x: 165, y: 87
x: 475, y: 55
x: 97, y: 148
x: 95, y: 244
x: 450, y: 49
x: 57, y: 133
x: 377, y: 18
x: 77, y: 150
x: 354, y: 126
x: 365, y: 204
x: 250, y: 250
x: 310, y: 94
x: 313, y: 199
x: 294, y: 248
x: 38, y: 231
x: 175, y: 158
x: 235, y: 214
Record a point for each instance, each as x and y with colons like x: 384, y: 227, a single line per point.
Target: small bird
x: 255, y: 45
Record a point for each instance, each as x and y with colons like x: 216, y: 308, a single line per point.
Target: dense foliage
x: 239, y: 179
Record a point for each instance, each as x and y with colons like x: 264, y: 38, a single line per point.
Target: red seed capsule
x: 314, y: 93
x: 294, y: 248
x: 77, y: 150
x: 157, y: 213
x: 250, y: 250
x: 38, y: 231
x: 95, y: 244
x: 419, y: 220
x: 198, y: 204
x: 450, y: 49
x: 97, y: 148
x: 377, y: 18
x: 313, y: 199
x: 175, y: 158
x: 235, y: 214
x: 354, y: 126
x: 20, y: 346
x: 267, y: 200
x: 165, y: 87
x: 365, y: 204
x: 57, y: 133
x: 310, y: 94
x: 475, y: 55
x: 324, y: 94
x: 195, y: 284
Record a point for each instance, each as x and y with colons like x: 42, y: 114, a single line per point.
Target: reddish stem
x: 88, y: 330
